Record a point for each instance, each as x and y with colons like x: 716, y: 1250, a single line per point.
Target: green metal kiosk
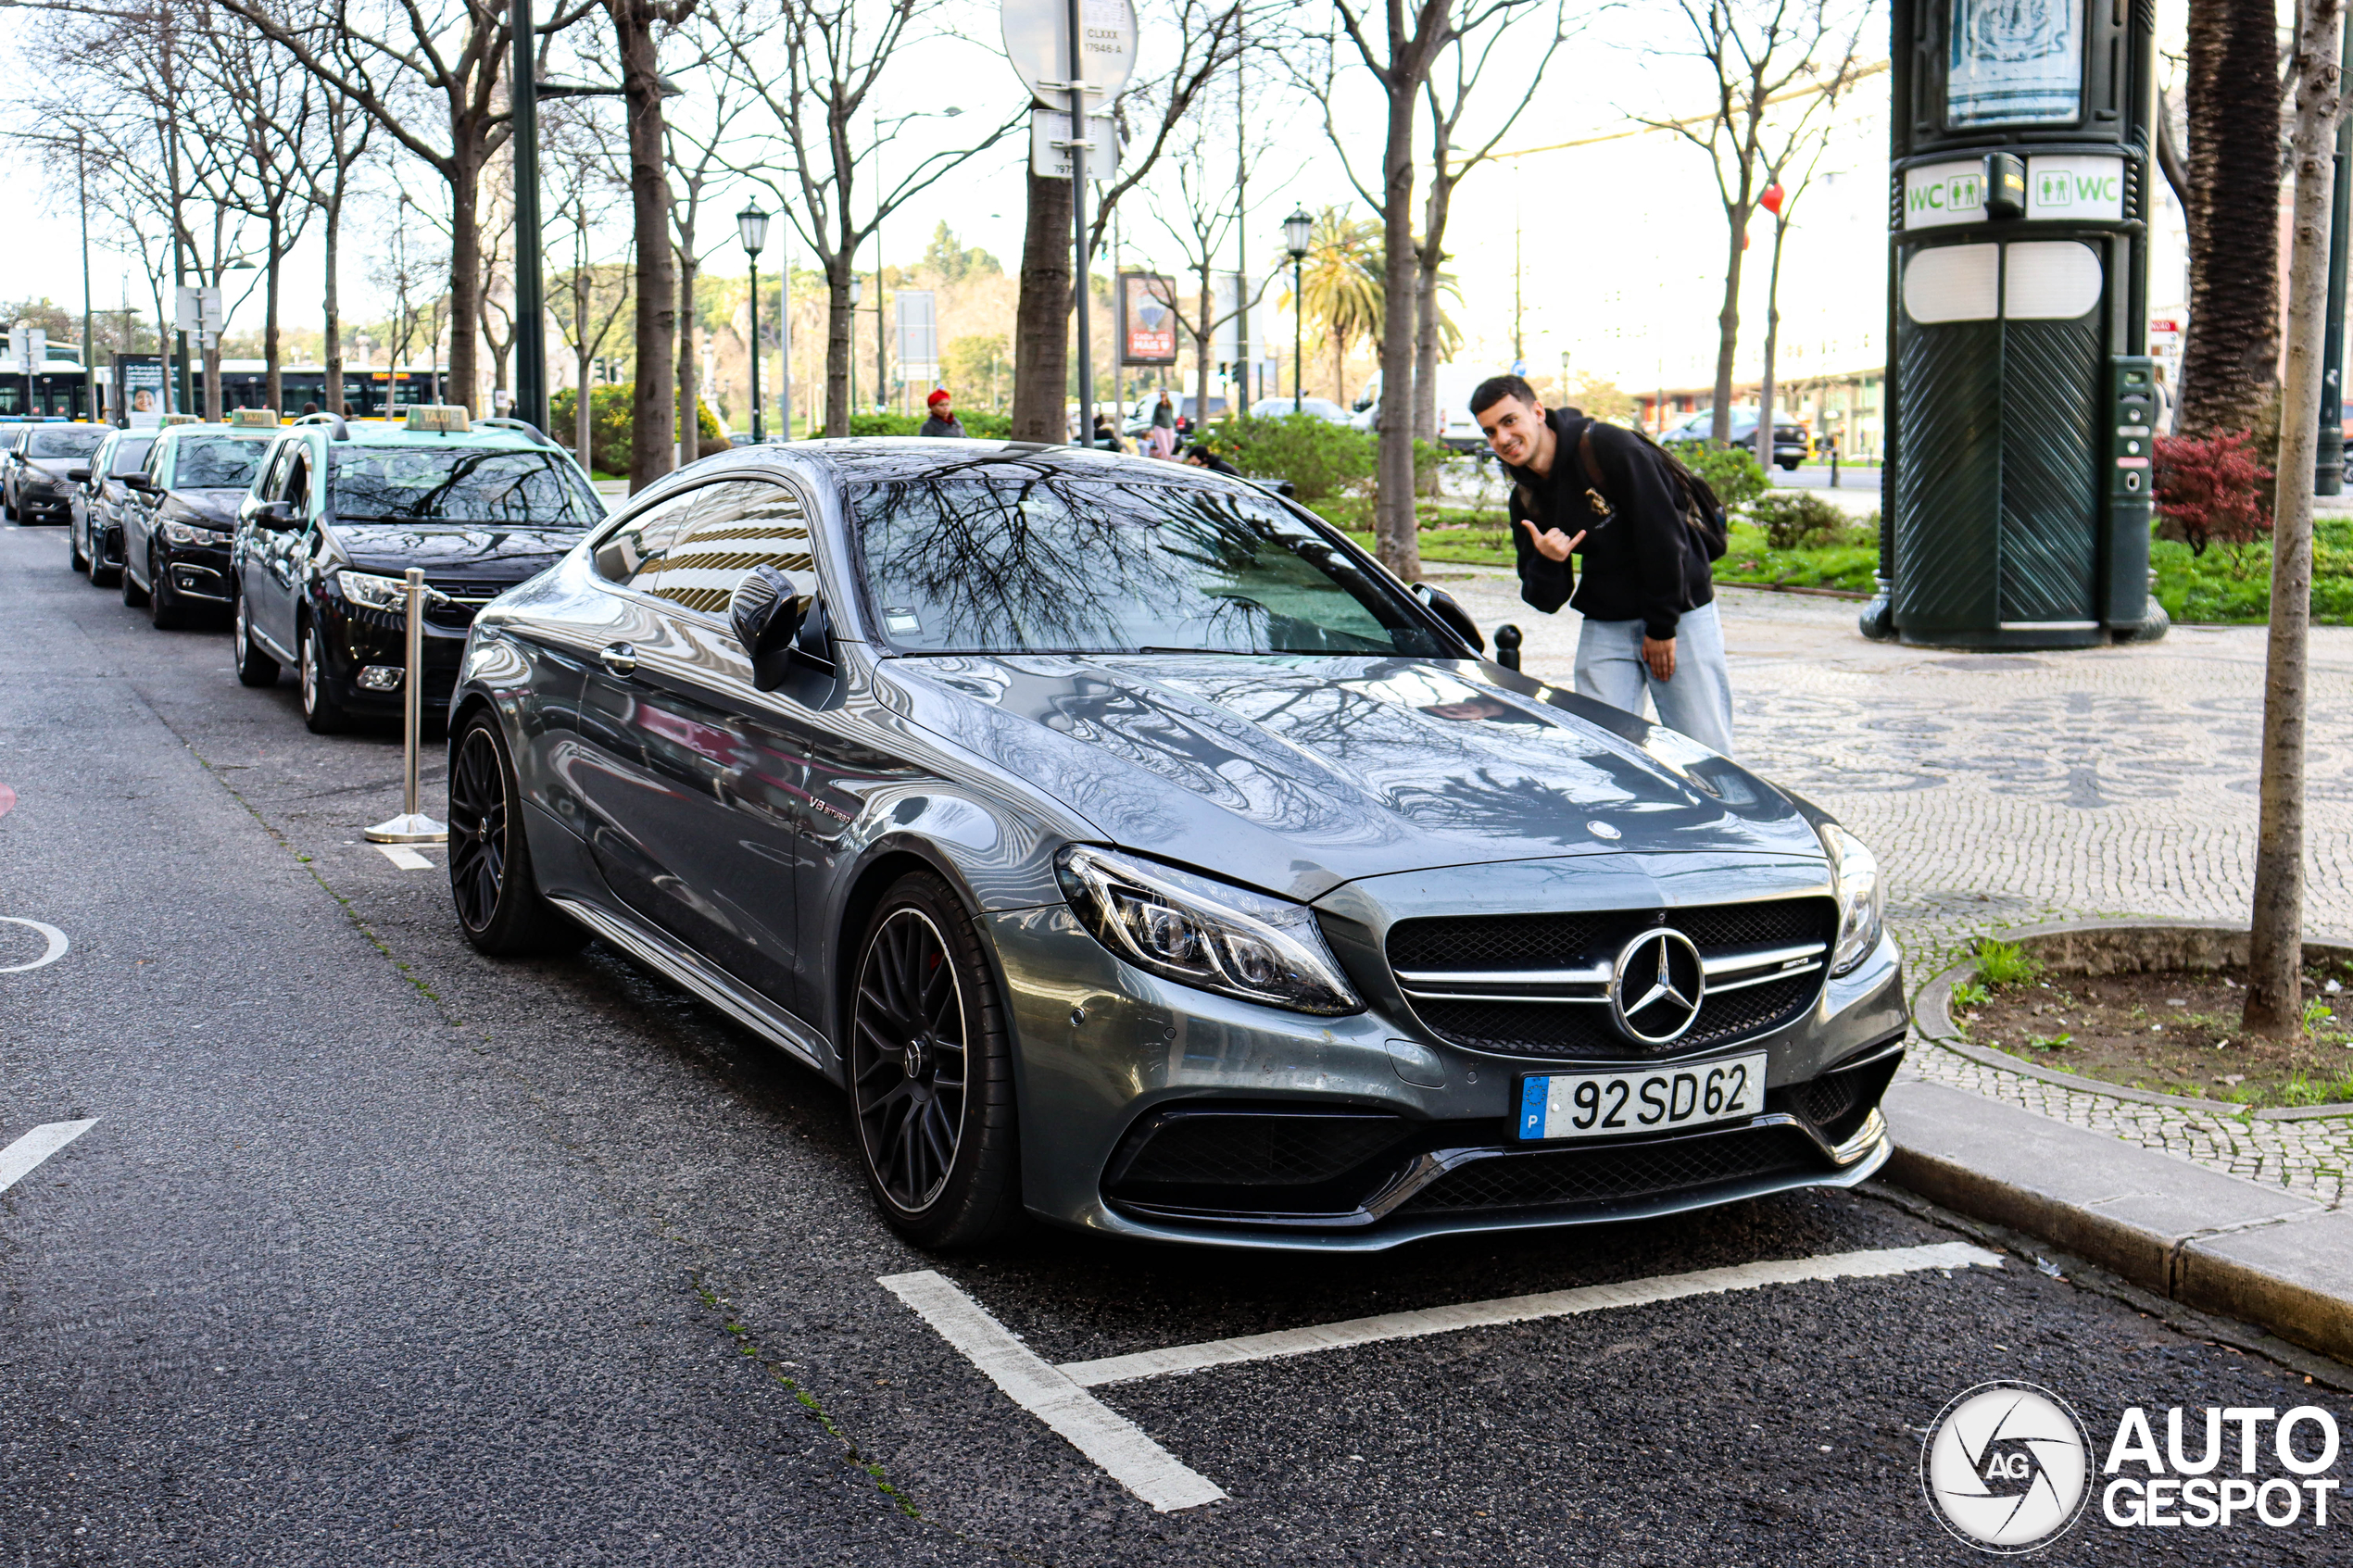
x: 2021, y: 403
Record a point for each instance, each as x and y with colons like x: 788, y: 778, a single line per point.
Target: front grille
x: 1592, y: 941
x: 1256, y: 1151
x: 1601, y: 1174
x: 1837, y: 1102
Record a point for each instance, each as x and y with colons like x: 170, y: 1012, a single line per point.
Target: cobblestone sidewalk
x: 2011, y: 789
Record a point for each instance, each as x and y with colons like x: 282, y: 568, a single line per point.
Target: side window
x: 160, y: 464
x: 265, y: 488
x: 297, y: 488
x: 677, y: 549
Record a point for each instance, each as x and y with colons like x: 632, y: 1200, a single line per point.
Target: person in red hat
x: 943, y: 421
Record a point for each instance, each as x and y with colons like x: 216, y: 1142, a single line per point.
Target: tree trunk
x: 1395, y: 538
x: 689, y: 389
x: 1433, y: 255
x: 1041, y: 322
x: 2229, y: 363
x: 2275, y: 958
x: 212, y: 409
x: 1202, y: 341
x: 465, y: 265
x: 273, y: 365
x: 840, y: 320
x: 1772, y: 344
x: 653, y: 407
x: 1727, y: 320
x: 580, y: 361
x: 333, y: 306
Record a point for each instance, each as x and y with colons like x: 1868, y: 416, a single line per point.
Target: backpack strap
x: 1593, y: 496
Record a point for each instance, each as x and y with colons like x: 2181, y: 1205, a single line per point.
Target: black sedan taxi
x: 34, y: 483
x: 339, y: 514
x: 182, y: 509
x: 100, y: 495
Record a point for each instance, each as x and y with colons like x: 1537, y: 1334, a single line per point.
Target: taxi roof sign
x: 183, y: 419
x: 451, y: 418
x: 247, y: 419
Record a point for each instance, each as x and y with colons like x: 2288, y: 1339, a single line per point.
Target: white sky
x: 1620, y: 244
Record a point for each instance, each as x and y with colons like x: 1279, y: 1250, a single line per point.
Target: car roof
x: 884, y: 459
x: 397, y: 436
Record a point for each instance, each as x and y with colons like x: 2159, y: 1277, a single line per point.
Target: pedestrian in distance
x: 1161, y: 440
x: 943, y: 421
x: 1646, y: 527
x: 1201, y: 457
x: 1107, y: 434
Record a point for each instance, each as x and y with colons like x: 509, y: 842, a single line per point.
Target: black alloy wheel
x: 101, y: 574
x: 320, y: 711
x: 499, y: 906
x: 930, y: 1073
x: 133, y: 594
x: 167, y: 612
x: 255, y: 668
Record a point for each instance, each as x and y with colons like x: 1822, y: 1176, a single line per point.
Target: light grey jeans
x: 1698, y: 701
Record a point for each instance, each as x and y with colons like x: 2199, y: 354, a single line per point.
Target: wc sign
x: 2060, y: 187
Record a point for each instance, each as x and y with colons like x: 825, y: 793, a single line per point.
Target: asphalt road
x: 379, y: 1252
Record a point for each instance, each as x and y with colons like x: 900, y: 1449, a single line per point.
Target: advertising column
x: 2015, y: 499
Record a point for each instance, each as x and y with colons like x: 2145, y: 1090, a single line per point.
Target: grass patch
x: 2003, y: 964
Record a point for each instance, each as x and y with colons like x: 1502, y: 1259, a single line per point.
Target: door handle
x: 619, y: 658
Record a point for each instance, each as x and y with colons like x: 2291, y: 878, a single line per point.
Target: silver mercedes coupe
x: 1139, y: 856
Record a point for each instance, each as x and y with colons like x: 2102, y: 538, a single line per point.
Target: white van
x: 1456, y: 426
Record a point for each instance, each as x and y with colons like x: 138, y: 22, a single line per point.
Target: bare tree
x: 276, y: 111
x: 697, y: 156
x: 1210, y: 36
x: 2275, y: 959
x: 835, y: 57
x: 334, y: 153
x: 1453, y: 156
x: 1198, y: 217
x: 1792, y: 169
x: 1778, y: 65
x: 431, y: 83
x: 589, y: 296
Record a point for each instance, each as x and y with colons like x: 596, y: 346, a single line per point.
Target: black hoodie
x: 1642, y: 565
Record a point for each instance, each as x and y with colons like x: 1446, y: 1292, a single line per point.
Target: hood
x: 1300, y: 772
x: 484, y: 553
x: 213, y: 508
x: 56, y: 467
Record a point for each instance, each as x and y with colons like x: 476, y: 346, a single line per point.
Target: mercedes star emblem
x: 1656, y: 986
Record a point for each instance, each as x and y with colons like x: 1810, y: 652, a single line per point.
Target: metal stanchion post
x: 413, y: 827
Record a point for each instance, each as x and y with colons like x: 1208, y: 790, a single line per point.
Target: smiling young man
x: 1647, y: 596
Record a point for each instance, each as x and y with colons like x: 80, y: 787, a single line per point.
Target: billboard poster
x: 2015, y: 62
x: 1147, y: 326
x: 141, y: 390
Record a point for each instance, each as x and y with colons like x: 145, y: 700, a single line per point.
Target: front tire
x: 931, y: 1080
x: 320, y: 711
x: 75, y: 561
x: 499, y: 906
x: 133, y: 594
x: 255, y: 668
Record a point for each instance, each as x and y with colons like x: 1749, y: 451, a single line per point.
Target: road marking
x: 1116, y: 1445
x: 18, y: 1159
x: 1521, y: 1309
x: 7, y: 799
x: 407, y: 859
x: 56, y: 938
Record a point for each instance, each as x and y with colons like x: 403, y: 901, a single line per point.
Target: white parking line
x: 55, y: 940
x: 1116, y: 1445
x: 1057, y: 1395
x: 407, y: 859
x: 18, y: 1159
x: 1520, y: 1308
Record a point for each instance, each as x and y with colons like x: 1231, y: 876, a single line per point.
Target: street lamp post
x: 1298, y: 229
x: 752, y: 227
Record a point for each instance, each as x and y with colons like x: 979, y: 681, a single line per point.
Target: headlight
x: 188, y: 533
x: 1197, y: 932
x: 1855, y: 874
x: 390, y: 594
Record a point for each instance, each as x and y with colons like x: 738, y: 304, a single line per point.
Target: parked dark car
x: 98, y: 499
x: 1789, y: 441
x: 1138, y: 855
x: 179, y: 515
x: 33, y: 486
x: 340, y: 513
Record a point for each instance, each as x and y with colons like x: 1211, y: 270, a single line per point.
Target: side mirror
x: 78, y: 476
x: 139, y: 482
x: 1441, y: 603
x: 277, y: 515
x: 766, y: 612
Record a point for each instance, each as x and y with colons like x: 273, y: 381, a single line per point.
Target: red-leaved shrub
x: 2210, y: 490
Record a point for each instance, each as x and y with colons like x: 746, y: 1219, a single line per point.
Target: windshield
x: 1051, y: 564
x: 65, y: 443
x: 458, y: 485
x: 218, y: 462
x: 131, y: 453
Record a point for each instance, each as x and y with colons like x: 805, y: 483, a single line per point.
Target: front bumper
x: 195, y: 571
x: 1110, y: 1058
x: 356, y: 639
x: 33, y: 507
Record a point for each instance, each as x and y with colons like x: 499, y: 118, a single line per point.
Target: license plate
x: 1609, y: 1105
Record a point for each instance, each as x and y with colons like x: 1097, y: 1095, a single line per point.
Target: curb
x: 2213, y: 1242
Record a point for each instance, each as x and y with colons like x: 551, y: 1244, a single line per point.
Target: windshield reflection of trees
x: 481, y: 484
x: 1010, y: 558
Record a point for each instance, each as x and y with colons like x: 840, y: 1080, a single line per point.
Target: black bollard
x: 1833, y: 465
x: 1507, y: 646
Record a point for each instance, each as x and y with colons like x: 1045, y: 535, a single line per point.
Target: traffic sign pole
x: 531, y: 296
x: 1078, y: 161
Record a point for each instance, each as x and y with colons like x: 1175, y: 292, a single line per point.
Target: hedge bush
x: 1320, y: 458
x: 981, y: 427
x: 610, y: 421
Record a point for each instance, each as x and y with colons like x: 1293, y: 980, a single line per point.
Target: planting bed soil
x: 2173, y: 1031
